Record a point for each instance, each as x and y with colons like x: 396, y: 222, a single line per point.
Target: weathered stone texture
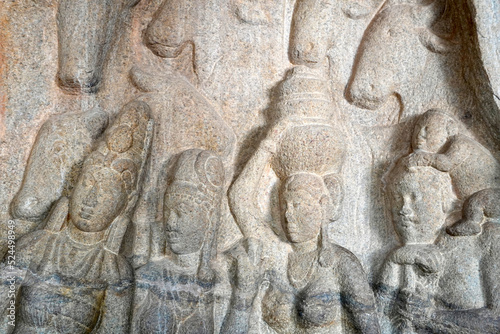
x: 249, y: 166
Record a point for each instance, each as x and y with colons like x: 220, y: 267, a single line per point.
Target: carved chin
x: 89, y: 224
x: 165, y: 51
x: 177, y: 247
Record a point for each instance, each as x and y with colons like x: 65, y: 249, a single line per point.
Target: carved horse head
x: 394, y: 49
x: 168, y: 32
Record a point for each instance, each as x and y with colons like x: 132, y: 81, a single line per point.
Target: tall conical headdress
x: 199, y: 175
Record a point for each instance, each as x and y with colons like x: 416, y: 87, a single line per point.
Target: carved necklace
x: 297, y: 277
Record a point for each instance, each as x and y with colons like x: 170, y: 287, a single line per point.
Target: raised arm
x: 388, y: 286
x: 248, y: 288
x: 243, y: 194
x: 140, y: 296
x: 457, y: 152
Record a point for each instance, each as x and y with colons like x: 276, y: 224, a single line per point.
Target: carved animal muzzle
x: 164, y: 35
x: 394, y: 50
x: 85, y: 29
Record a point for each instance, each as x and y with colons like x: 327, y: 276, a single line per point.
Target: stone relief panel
x: 249, y: 166
x: 177, y: 292
x: 69, y: 275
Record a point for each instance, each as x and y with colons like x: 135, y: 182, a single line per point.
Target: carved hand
x: 413, y: 309
x: 248, y: 268
x: 426, y: 257
x: 420, y: 159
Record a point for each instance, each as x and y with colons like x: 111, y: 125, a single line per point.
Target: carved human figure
x: 175, y: 293
x: 437, y: 142
x: 435, y: 282
x: 61, y: 145
x: 185, y: 118
x: 418, y: 220
x: 327, y: 290
x: 86, y: 31
x: 301, y: 138
x: 70, y: 277
x: 481, y: 206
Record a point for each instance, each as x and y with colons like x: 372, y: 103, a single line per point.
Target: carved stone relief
x: 249, y: 166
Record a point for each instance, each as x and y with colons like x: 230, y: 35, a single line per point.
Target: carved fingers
x: 420, y: 158
x: 248, y: 257
x: 426, y: 257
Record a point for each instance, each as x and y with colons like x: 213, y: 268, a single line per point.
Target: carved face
x: 303, y: 215
x: 419, y: 205
x: 186, y: 224
x: 430, y: 135
x: 98, y: 198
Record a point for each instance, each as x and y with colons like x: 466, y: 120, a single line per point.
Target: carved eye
x: 88, y: 180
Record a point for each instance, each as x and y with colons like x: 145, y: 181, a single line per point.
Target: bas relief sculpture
x: 355, y: 188
x: 437, y: 282
x: 176, y: 292
x: 70, y: 276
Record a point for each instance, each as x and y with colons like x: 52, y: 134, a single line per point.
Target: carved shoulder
x: 342, y: 260
x: 31, y: 247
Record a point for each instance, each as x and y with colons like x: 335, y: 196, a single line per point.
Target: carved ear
x: 335, y: 188
x: 434, y: 43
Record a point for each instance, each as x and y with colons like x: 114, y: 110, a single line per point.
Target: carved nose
x: 406, y: 210
x: 91, y: 199
x: 423, y: 133
x: 171, y: 222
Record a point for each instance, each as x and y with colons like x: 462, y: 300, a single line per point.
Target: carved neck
x: 191, y: 260
x: 306, y: 246
x: 87, y: 238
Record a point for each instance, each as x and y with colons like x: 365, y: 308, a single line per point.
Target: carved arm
x: 115, y: 311
x: 358, y: 296
x: 243, y: 194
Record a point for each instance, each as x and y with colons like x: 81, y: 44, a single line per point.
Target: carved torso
x: 313, y: 305
x: 59, y: 308
x: 65, y: 283
x: 175, y: 301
